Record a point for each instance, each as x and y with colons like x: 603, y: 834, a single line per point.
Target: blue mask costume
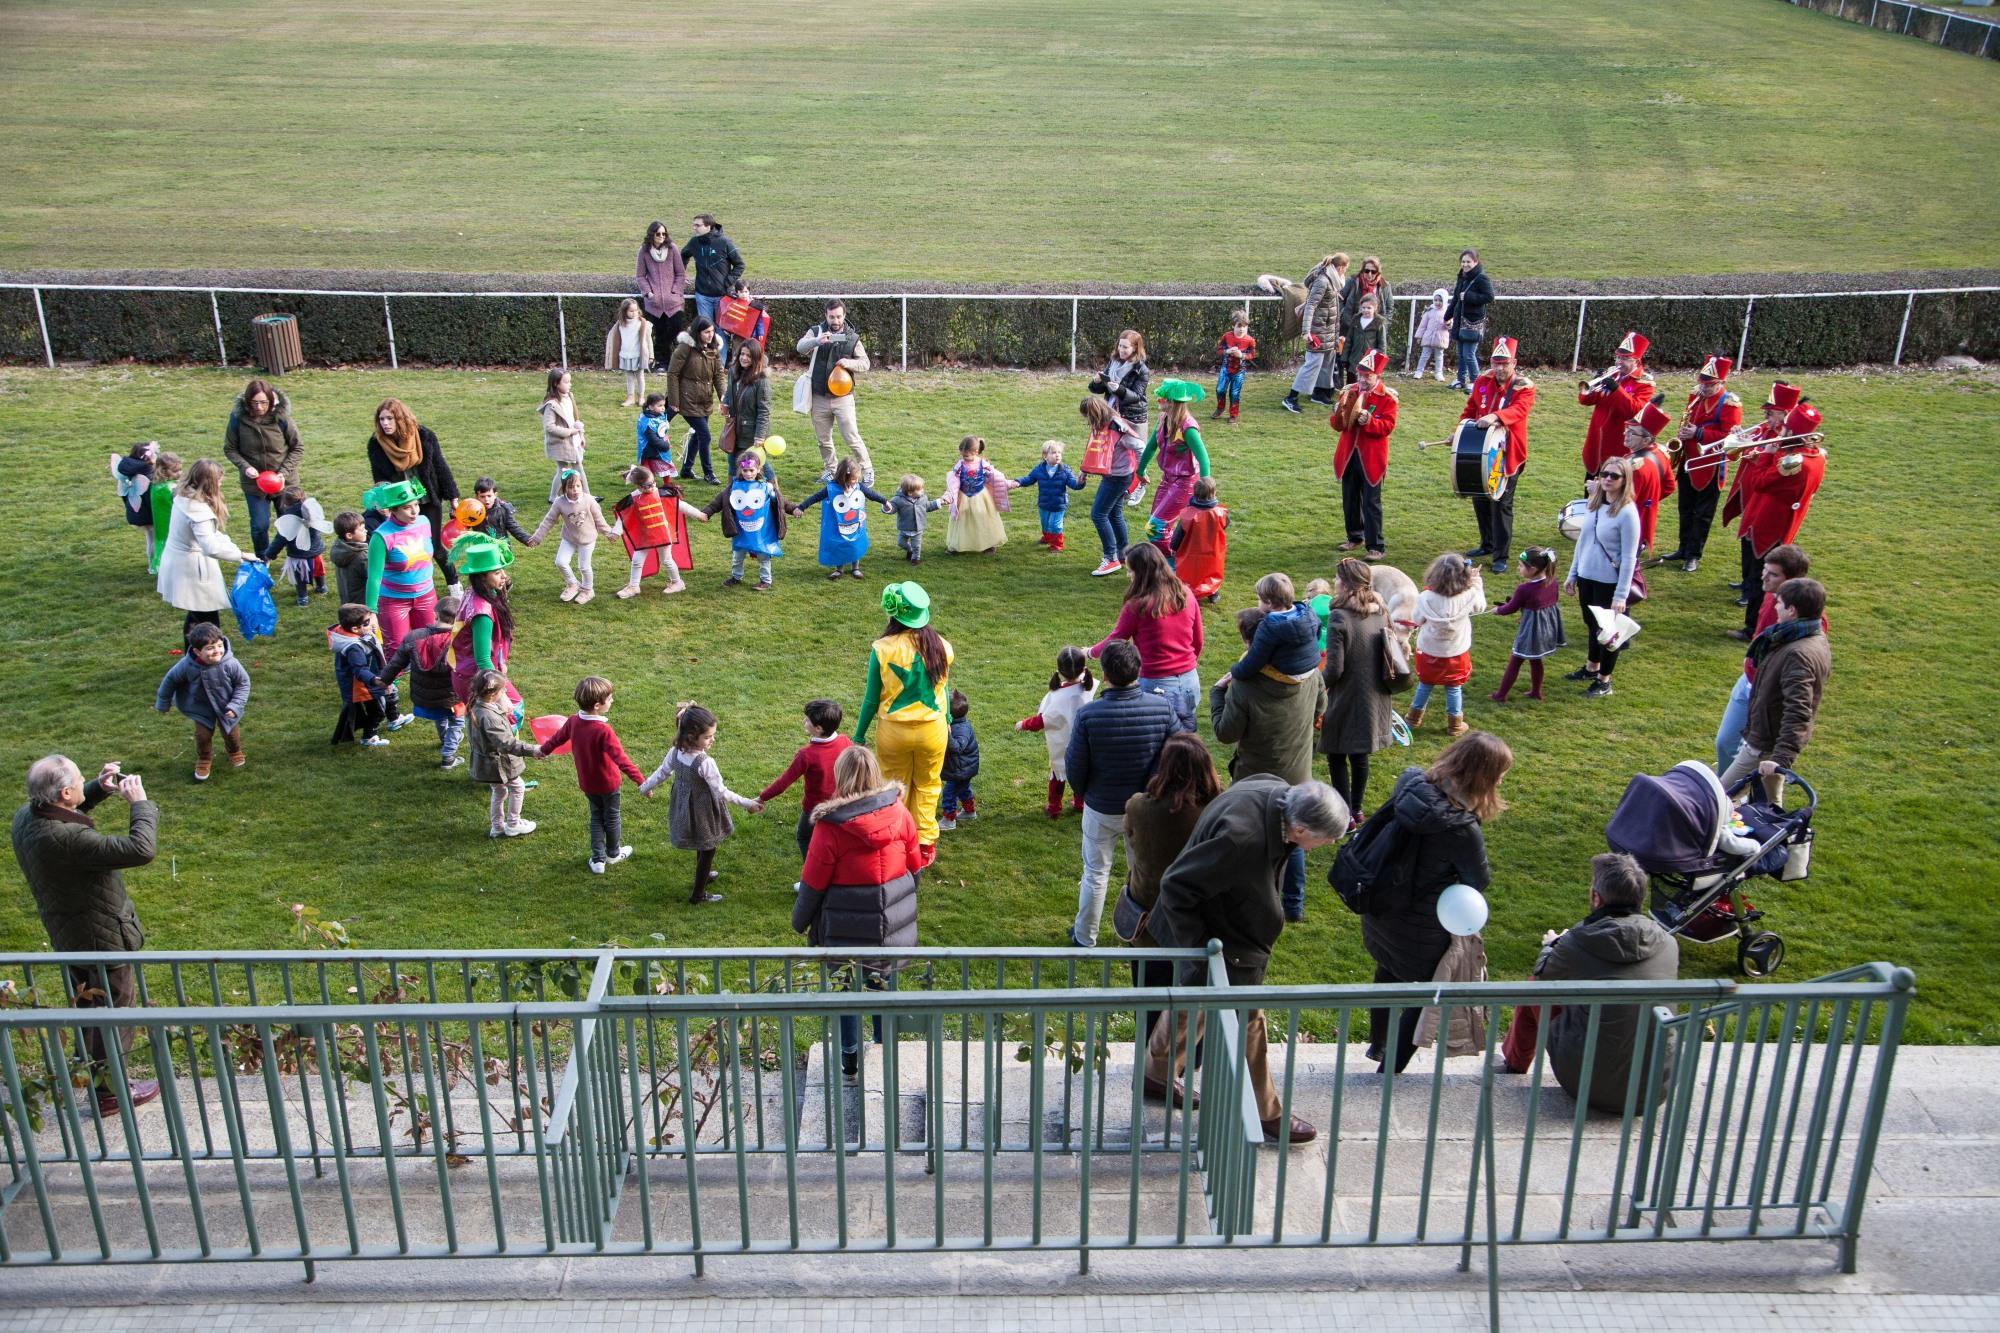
x: 843, y: 527
x: 756, y: 525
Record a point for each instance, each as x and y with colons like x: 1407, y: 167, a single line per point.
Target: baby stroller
x: 1698, y: 852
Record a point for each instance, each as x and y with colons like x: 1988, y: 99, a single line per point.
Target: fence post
x: 1576, y: 353
x: 906, y: 331
x: 49, y: 352
x: 1743, y: 343
x: 1904, y: 332
x: 1409, y: 336
x: 1909, y: 12
x: 1872, y: 6
x: 215, y: 313
x: 1947, y: 30
x: 562, y: 331
x: 1072, y: 335
x: 389, y: 323
x: 1986, y: 41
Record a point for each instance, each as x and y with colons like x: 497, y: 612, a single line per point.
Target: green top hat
x: 392, y: 493
x: 478, y: 553
x: 1179, y: 391
x: 907, y: 604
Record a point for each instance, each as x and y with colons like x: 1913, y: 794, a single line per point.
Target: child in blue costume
x: 753, y: 518
x: 1052, y: 482
x: 843, y: 518
x: 656, y: 448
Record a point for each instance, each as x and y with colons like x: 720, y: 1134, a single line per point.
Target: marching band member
x: 1712, y: 416
x: 1778, y: 484
x: 1364, y: 415
x: 1500, y: 397
x: 1614, y: 399
x: 1652, y: 473
x: 1780, y: 401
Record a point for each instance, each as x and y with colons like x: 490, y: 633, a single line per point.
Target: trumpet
x: 1602, y: 382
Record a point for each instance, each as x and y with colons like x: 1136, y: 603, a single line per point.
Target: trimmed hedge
x: 1804, y: 332
x: 1968, y: 38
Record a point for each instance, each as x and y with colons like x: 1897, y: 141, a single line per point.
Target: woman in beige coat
x: 562, y: 430
x: 190, y: 577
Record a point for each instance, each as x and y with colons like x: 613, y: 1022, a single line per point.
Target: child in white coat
x: 1433, y: 335
x: 1070, y: 688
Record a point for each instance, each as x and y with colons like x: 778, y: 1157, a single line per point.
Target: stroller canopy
x: 1671, y: 823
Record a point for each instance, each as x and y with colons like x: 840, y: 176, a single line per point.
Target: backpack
x: 1372, y: 872
x: 1397, y: 674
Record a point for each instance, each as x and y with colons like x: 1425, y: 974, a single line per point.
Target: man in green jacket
x: 73, y: 871
x: 1273, y: 723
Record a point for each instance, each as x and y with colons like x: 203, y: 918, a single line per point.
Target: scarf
x: 1368, y: 284
x: 659, y: 256
x: 404, y: 456
x: 1780, y: 634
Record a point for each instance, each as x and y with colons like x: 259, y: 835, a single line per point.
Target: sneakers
x: 1291, y: 404
x: 628, y: 592
x: 833, y: 576
x: 373, y: 742
x: 1134, y: 499
x: 520, y: 828
x: 946, y: 823
x: 1108, y: 567
x: 201, y: 768
x: 732, y: 580
x: 1581, y: 674
x: 760, y: 586
x: 1599, y: 689
x: 448, y: 764
x: 1372, y: 554
x: 597, y: 867
x: 622, y: 854
x: 1691, y: 566
x: 584, y: 596
x: 855, y: 572
x: 302, y: 600
x: 402, y: 721
x: 679, y: 585
x: 569, y: 592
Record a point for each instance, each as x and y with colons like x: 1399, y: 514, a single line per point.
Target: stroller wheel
x: 1760, y: 955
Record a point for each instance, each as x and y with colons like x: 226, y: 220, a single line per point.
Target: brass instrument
x: 1733, y: 445
x: 1602, y: 382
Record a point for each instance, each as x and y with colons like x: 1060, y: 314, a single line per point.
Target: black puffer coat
x: 1449, y: 849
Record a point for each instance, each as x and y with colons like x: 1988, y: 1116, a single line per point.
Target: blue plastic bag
x: 250, y: 599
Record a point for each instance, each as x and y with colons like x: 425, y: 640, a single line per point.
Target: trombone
x: 1732, y: 445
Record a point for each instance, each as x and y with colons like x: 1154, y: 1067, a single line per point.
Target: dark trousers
x: 1348, y: 775
x: 666, y: 328
x: 1107, y: 512
x: 1361, y: 505
x: 94, y: 988
x: 1697, y: 506
x: 804, y: 832
x: 434, y: 511
x: 697, y: 446
x: 204, y: 740
x: 1589, y: 593
x: 956, y: 793
x: 1496, y: 519
x: 604, y: 826
x: 1753, y: 585
x: 361, y: 718
x: 1149, y: 974
x: 1406, y: 1023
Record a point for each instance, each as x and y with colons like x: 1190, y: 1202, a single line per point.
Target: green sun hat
x: 1180, y: 391
x: 907, y: 604
x: 479, y: 553
x: 392, y: 493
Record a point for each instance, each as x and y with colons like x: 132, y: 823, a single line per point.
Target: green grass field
x: 1904, y: 867
x: 1009, y: 143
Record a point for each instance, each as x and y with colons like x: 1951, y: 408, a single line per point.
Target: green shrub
x: 20, y: 332
x: 130, y: 325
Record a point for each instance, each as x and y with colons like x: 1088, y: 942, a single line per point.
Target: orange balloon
x: 839, y: 383
x: 469, y: 512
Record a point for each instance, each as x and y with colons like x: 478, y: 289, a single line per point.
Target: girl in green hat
x: 909, y: 670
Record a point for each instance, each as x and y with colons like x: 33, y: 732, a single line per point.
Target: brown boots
x: 1454, y: 723
x: 1415, y: 718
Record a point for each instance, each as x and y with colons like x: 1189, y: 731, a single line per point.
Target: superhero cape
x: 1205, y: 551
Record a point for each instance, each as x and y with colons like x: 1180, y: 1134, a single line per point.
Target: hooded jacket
x: 1287, y: 642
x: 859, y: 885
x: 717, y: 262
x: 1447, y: 847
x: 357, y: 661
x: 1611, y: 944
x: 268, y: 444
x: 425, y: 653
x: 694, y: 376
x: 206, y: 692
x: 497, y: 753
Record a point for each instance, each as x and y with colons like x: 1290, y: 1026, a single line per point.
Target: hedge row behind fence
x: 1968, y: 33
x: 1034, y: 332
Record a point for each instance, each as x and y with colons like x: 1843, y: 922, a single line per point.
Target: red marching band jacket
x: 1652, y: 482
x: 1370, y: 438
x: 1511, y: 405
x: 1714, y: 420
x: 1610, y: 409
x: 1772, y: 504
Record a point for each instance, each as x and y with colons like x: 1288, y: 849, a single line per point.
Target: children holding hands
x: 601, y: 767
x: 813, y: 763
x: 1070, y: 688
x: 698, y: 816
x: 653, y: 521
x: 843, y: 518
x: 497, y: 755
x: 582, y: 518
x: 912, y: 511
x: 1053, y: 481
x: 976, y: 495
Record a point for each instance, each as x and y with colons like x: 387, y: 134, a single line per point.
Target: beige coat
x: 645, y: 344
x: 190, y: 577
x: 582, y: 519
x: 562, y: 431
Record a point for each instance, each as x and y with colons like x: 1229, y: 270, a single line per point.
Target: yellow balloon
x: 774, y: 445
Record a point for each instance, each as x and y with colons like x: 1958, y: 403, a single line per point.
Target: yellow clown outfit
x: 915, y: 711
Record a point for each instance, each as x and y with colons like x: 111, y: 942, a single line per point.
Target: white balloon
x: 1462, y: 909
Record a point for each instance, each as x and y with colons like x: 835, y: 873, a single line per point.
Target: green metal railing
x: 323, y: 1105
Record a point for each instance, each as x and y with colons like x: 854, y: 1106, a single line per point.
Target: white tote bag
x: 802, y: 388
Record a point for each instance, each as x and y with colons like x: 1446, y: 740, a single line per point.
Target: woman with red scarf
x: 1369, y: 282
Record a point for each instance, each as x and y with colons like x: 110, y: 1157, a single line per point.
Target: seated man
x: 1618, y: 941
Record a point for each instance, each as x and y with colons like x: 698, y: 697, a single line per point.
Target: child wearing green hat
x: 401, y: 556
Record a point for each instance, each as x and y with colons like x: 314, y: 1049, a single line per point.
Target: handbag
x: 729, y: 435
x: 1127, y: 917
x: 802, y: 388
x: 1471, y: 331
x: 1397, y: 672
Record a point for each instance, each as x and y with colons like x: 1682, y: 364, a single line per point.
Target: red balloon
x: 452, y: 532
x: 270, y: 482
x: 546, y: 726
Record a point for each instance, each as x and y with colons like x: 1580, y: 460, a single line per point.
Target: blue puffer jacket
x: 1286, y: 641
x: 1052, y: 485
x: 205, y: 692
x: 1114, y: 745
x: 961, y: 753
x: 357, y: 661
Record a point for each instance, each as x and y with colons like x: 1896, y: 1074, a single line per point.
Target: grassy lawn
x: 1905, y: 864
x: 1028, y: 141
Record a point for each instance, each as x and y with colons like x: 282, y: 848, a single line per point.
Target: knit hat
x: 1179, y: 391
x: 392, y: 493
x: 907, y: 604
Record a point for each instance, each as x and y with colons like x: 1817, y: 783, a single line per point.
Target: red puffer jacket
x: 860, y: 882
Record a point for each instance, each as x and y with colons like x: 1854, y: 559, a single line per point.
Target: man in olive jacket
x: 1224, y: 886
x: 73, y: 871
x: 1273, y: 725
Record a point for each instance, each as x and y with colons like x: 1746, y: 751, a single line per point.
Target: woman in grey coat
x: 1359, y: 711
x: 1319, y: 317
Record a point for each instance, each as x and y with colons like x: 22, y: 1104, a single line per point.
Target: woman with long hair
x: 190, y: 577
x: 662, y: 277
x: 1177, y: 444
x: 746, y: 400
x: 1116, y: 443
x: 401, y: 450
x: 909, y: 684
x: 261, y: 438
x: 1602, y: 566
x: 1359, y: 713
x: 1157, y: 823
x: 1163, y: 621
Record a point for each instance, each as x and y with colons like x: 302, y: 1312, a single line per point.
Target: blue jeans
x: 850, y: 1024
x: 451, y: 735
x: 955, y: 794
x: 1052, y: 519
x: 1229, y: 386
x: 1735, y: 714
x: 1468, y: 361
x: 1182, y: 691
x: 258, y: 506
x: 708, y: 307
x: 1294, y: 892
x: 1454, y: 698
x: 697, y: 446
x: 1107, y: 511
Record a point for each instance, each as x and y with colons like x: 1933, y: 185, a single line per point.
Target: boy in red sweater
x: 601, y: 767
x: 814, y: 763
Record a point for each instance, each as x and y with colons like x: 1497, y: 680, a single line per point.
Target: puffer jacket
x: 205, y: 692
x: 1321, y: 313
x: 1448, y: 848
x: 1608, y: 945
x: 1114, y: 745
x: 425, y: 653
x: 73, y: 871
x: 694, y: 377
x: 357, y: 662
x: 961, y: 753
x: 496, y: 751
x: 859, y: 885
x: 268, y: 444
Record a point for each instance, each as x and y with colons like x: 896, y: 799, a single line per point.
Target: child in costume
x: 349, y: 551
x: 813, y: 762
x: 497, y: 754
x: 913, y: 513
x: 1452, y: 596
x: 211, y: 689
x: 1286, y: 645
x: 400, y: 561
x: 426, y: 654
x: 1177, y: 443
x: 1433, y: 336
x: 359, y: 668
x: 145, y: 476
x: 500, y: 520
x: 628, y: 346
x: 961, y: 765
x: 656, y: 443
x: 698, y: 807
x: 1538, y: 599
x: 1052, y: 482
x: 1319, y: 596
x: 1234, y: 350
x: 298, y: 536
x: 976, y: 496
x: 843, y: 518
x: 484, y: 632
x: 1070, y: 688
x: 1199, y: 543
x: 753, y: 518
x: 653, y: 521
x: 582, y: 519
x: 601, y: 766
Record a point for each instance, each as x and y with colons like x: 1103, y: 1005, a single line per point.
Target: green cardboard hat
x: 907, y: 604
x: 478, y: 553
x: 1180, y: 391
x: 392, y: 493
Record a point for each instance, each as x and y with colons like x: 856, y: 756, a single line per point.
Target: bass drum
x: 1570, y: 521
x: 1479, y: 461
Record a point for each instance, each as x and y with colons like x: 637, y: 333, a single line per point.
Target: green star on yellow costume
x: 917, y: 687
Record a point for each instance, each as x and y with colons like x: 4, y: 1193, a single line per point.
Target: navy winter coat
x: 961, y: 753
x: 1114, y: 746
x: 203, y: 692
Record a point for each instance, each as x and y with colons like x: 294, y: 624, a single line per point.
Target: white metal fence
x: 1975, y: 35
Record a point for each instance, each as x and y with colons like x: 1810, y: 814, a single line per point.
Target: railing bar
x: 17, y: 1100
x: 1069, y: 1044
x: 170, y: 1099
x: 64, y: 1084
x: 49, y: 351
x: 965, y: 1060
x: 1741, y: 1017
x: 1535, y: 1106
x: 215, y: 313
x: 1391, y: 1034
x: 688, y: 1130
x: 305, y: 1078
x: 1439, y: 1046
x: 194, y: 1063
x: 372, y: 1054
x: 232, y: 1124
x: 1743, y: 341
x: 539, y: 1137
x: 1037, y: 1067
x: 732, y: 1081
x: 1333, y: 1125
x: 438, y: 1131
x: 1650, y: 1069
x: 757, y: 1059
x: 934, y: 1126
x: 1764, y: 1017
x: 479, y: 1087
x: 1904, y: 332
x: 989, y: 1077
x: 1807, y: 1039
x: 1671, y: 1141
x: 281, y: 1134
x: 892, y: 1118
x: 1871, y: 1125
x: 787, y: 1078
x: 1582, y: 1113
x: 1773, y: 1103
x: 1576, y: 352
x: 1284, y: 1117
x: 1083, y: 1173
x: 1829, y: 1066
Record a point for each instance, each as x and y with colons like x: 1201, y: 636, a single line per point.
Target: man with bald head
x: 73, y: 871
